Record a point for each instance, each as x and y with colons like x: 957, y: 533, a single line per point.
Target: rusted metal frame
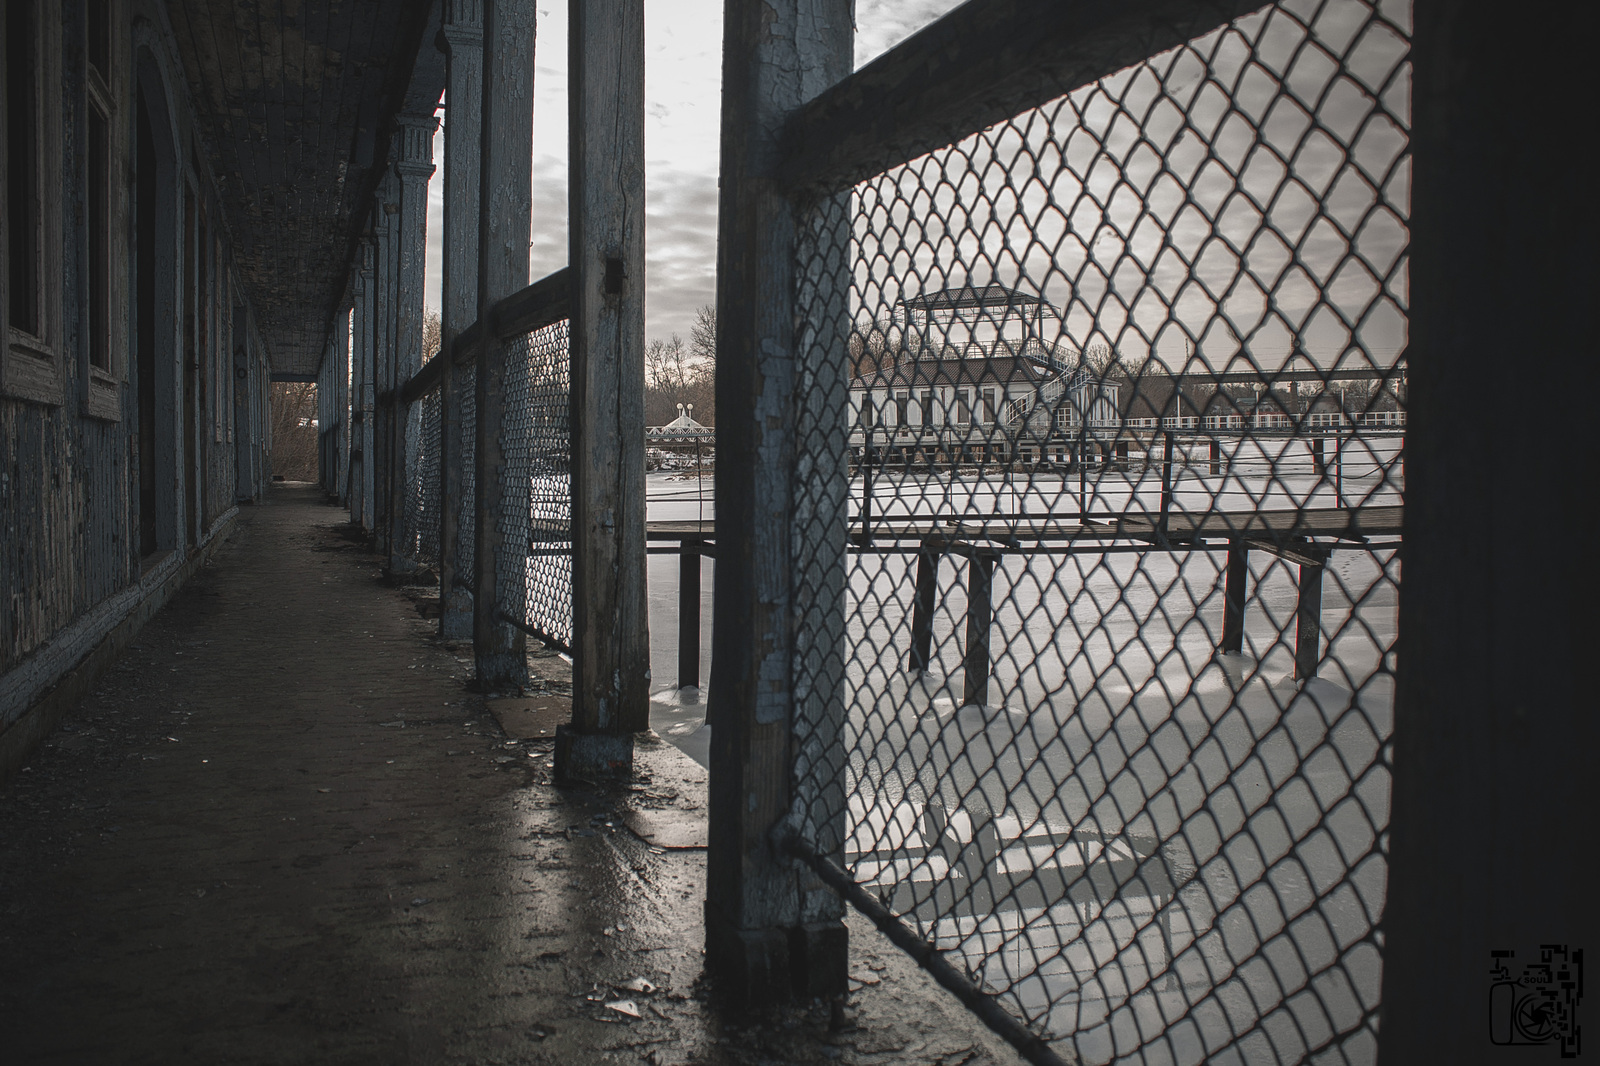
x: 985, y: 62
x: 505, y: 211
x: 461, y: 39
x: 772, y: 930
x: 610, y: 637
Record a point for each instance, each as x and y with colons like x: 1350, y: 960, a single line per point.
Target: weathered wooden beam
x: 544, y: 303
x: 1308, y: 622
x: 769, y: 929
x: 928, y: 556
x: 980, y: 616
x: 413, y: 168
x: 1234, y: 592
x: 610, y: 636
x: 461, y: 39
x: 505, y: 216
x: 689, y: 614
x: 983, y: 63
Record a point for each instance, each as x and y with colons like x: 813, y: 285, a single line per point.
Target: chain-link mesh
x: 467, y: 440
x: 538, y: 390
x: 1101, y: 426
x: 423, y: 500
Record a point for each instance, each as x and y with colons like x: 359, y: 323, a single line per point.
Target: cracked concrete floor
x: 282, y: 831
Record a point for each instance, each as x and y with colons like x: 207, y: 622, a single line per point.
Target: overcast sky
x: 1148, y: 208
x: 683, y: 72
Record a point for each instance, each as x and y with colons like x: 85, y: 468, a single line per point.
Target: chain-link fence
x: 1107, y: 403
x: 421, y: 534
x: 538, y: 388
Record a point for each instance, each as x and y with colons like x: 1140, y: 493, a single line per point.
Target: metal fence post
x: 414, y: 167
x: 461, y: 37
x: 505, y: 211
x: 760, y: 938
x: 610, y: 639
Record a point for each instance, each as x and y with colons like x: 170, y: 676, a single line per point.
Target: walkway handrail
x: 541, y: 304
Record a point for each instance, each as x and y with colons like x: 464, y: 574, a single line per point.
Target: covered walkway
x: 318, y: 846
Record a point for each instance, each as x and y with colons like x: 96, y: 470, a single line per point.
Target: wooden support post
x: 1215, y: 452
x: 1319, y: 459
x: 1233, y: 597
x: 1308, y: 622
x: 384, y: 351
x: 414, y: 168
x: 610, y: 634
x: 461, y: 37
x: 689, y: 614
x: 773, y: 930
x: 366, y: 384
x: 505, y: 217
x: 922, y: 608
x: 980, y: 615
x: 1166, y: 486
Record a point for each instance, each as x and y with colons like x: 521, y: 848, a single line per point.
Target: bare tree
x: 293, y: 412
x: 703, y: 334
x: 431, y: 334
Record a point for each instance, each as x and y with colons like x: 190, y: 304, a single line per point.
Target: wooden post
x: 610, y: 636
x: 383, y: 421
x: 689, y: 614
x: 1308, y: 622
x: 980, y: 615
x: 1319, y: 459
x: 1216, y: 458
x: 1166, y: 486
x: 1494, y: 728
x: 461, y: 37
x: 1233, y: 597
x: 772, y: 928
x: 414, y: 168
x: 365, y: 383
x: 922, y: 608
x: 505, y: 216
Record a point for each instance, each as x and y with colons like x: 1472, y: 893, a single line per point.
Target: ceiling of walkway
x: 295, y: 100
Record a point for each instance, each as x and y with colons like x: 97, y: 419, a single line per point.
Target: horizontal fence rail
x: 1112, y: 715
x: 534, y: 323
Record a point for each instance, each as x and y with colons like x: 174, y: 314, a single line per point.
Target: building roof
x: 970, y: 295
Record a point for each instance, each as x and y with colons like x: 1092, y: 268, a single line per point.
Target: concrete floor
x: 282, y: 831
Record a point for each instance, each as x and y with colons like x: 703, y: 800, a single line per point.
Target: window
x: 29, y: 349
x: 22, y: 165
x: 104, y: 240
x: 902, y: 400
x: 927, y: 407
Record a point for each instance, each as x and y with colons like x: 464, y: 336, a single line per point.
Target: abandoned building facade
x: 1130, y: 787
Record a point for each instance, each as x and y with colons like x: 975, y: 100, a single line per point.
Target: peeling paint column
x: 461, y: 39
x: 414, y: 167
x: 341, y: 403
x: 611, y: 645
x: 505, y: 218
x: 769, y: 934
x: 365, y: 386
x: 386, y: 210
